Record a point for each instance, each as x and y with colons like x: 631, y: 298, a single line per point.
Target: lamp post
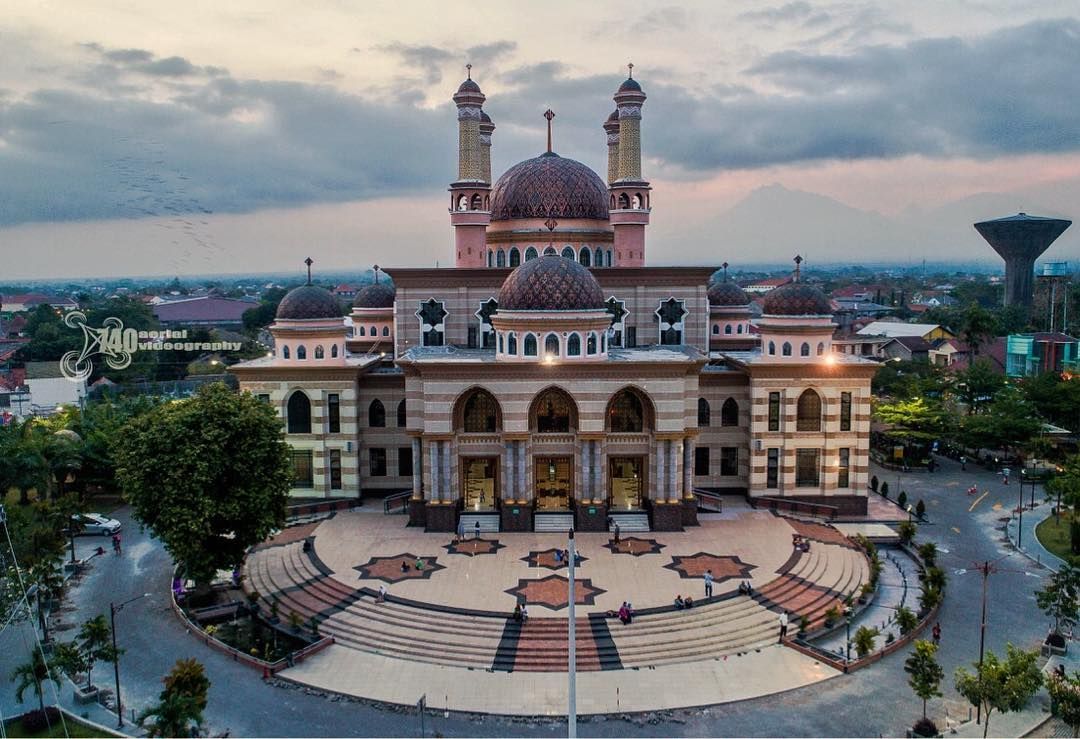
x: 1020, y: 525
x: 113, y: 610
x: 847, y: 618
x: 571, y: 659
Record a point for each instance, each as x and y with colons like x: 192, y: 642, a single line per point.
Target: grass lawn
x: 1053, y: 534
x: 75, y: 728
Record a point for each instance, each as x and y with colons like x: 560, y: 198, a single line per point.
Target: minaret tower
x: 611, y: 128
x: 629, y: 192
x: 470, y: 194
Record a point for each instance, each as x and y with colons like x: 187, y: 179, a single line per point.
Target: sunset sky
x: 145, y: 137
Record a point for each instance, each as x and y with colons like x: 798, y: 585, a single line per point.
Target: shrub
x: 935, y: 578
x: 885, y: 489
x: 930, y: 598
x: 295, y: 620
x: 928, y: 553
x: 906, y: 619
x: 901, y: 499
x: 804, y: 624
x: 832, y: 615
x: 890, y: 638
x: 906, y: 530
x: 924, y: 727
x: 38, y: 721
x: 866, y: 590
x: 920, y: 509
x: 864, y: 640
x: 874, y: 483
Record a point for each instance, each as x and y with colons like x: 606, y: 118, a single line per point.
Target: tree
x: 925, y: 674
x: 906, y: 620
x: 33, y: 674
x: 1065, y: 699
x: 917, y: 419
x: 1001, y: 685
x: 1058, y: 599
x: 179, y: 711
x: 1009, y: 423
x: 95, y: 643
x: 920, y: 509
x: 977, y: 384
x: 209, y: 476
x: 864, y: 640
x: 906, y: 531
x: 977, y: 326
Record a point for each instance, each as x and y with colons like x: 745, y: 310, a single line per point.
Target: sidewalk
x: 1031, y: 546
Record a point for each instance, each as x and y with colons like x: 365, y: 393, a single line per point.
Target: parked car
x: 95, y: 523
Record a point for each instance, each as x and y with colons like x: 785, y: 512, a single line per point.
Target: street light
x: 113, y: 610
x: 1020, y: 525
x: 571, y: 652
x: 847, y: 614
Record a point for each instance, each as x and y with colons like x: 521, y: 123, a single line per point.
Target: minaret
x: 629, y: 191
x: 611, y: 128
x: 470, y: 194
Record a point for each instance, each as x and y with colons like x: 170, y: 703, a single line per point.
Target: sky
x: 142, y: 137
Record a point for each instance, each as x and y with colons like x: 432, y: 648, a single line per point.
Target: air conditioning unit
x: 348, y: 446
x: 758, y: 445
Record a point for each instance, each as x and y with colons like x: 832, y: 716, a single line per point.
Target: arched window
x: 285, y: 351
x: 772, y: 347
x: 299, y: 413
x: 319, y: 353
x: 530, y: 345
x: 821, y: 348
x: 301, y: 352
x: 808, y: 412
x: 515, y: 257
x: 738, y: 329
x: 626, y: 413
x: 376, y: 414
x: 612, y: 206
x: 568, y: 252
x: 609, y: 257
x: 603, y: 343
x: 786, y: 349
x: 333, y: 352
x: 624, y: 201
x: 636, y: 202
x: 551, y: 345
x: 727, y: 328
x: 491, y: 258
x: 590, y: 344
x: 480, y: 413
x: 585, y: 257
x: 402, y: 418
x: 385, y: 330
x: 501, y: 350
x: 374, y: 330
x: 553, y: 412
x: 500, y: 258
x: 716, y: 329
x: 530, y: 253
x: 511, y: 344
x: 477, y: 202
x: 729, y: 413
x: 550, y: 251
x: 361, y: 331
x: 703, y: 412
x: 804, y: 350
x: 573, y: 346
x: 463, y: 202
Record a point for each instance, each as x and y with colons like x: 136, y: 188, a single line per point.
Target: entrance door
x: 478, y: 475
x: 626, y: 476
x: 554, y: 482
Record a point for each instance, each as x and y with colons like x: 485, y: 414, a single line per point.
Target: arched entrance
x: 552, y: 412
x: 629, y: 411
x: 478, y: 412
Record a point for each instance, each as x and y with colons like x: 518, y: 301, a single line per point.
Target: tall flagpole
x: 571, y: 714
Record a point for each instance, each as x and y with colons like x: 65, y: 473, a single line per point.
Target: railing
x: 391, y: 501
x: 627, y: 438
x: 472, y: 439
x: 540, y: 439
x: 821, y: 510
x: 709, y: 501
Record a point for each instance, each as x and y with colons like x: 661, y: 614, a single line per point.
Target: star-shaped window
x: 617, y: 309
x: 671, y: 312
x: 487, y: 310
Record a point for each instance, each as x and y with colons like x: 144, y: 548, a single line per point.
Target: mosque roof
x: 308, y: 302
x: 549, y: 186
x: 551, y: 283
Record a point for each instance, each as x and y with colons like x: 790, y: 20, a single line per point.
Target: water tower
x: 1020, y: 239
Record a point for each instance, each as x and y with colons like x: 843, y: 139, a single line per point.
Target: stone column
x: 688, y: 467
x: 447, y: 474
x: 417, y: 469
x: 523, y: 475
x: 674, y: 487
x: 435, y: 471
x: 586, y: 469
x: 661, y: 471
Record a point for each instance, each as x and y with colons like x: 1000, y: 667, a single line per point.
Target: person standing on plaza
x: 476, y: 530
x: 460, y: 530
x: 783, y: 625
x: 937, y: 632
x: 963, y: 463
x: 708, y: 583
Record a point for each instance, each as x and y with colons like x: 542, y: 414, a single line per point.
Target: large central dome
x: 549, y: 186
x: 551, y: 283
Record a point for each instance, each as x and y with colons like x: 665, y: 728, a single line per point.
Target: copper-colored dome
x: 308, y: 302
x: 726, y: 293
x: 549, y: 186
x: 551, y: 283
x: 630, y: 85
x: 796, y: 299
x: 484, y: 117
x: 469, y: 86
x: 376, y: 295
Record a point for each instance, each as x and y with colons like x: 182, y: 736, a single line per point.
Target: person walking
x: 460, y: 530
x: 963, y: 463
x: 1005, y: 475
x: 476, y: 530
x: 783, y: 625
x: 708, y: 583
x: 116, y: 543
x: 616, y: 533
x: 937, y: 632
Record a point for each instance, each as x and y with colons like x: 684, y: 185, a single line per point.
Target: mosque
x: 552, y: 377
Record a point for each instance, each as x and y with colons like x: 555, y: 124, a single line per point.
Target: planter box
x: 86, y: 695
x: 1050, y: 649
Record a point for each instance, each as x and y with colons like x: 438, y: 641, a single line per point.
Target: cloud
x: 797, y: 11
x: 142, y: 61
x: 488, y: 53
x: 428, y: 59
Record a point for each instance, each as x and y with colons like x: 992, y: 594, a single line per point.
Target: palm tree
x: 175, y: 715
x: 95, y: 642
x: 33, y: 674
x: 23, y: 465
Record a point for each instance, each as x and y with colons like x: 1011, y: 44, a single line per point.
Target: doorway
x: 553, y: 479
x: 626, y: 476
x: 479, y: 475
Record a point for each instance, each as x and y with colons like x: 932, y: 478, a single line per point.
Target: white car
x: 95, y: 523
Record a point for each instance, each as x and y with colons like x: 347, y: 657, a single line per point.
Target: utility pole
x: 571, y: 660
x: 982, y: 636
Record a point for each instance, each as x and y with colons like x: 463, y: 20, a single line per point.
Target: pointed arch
x: 568, y: 251
x: 301, y: 352
x: 729, y: 413
x: 804, y: 350
x: 298, y: 413
x: 511, y: 343
x: 285, y: 351
x: 786, y: 349
x: 320, y: 353
x: 585, y: 257
x: 704, y: 413
x: 333, y: 351
x: 402, y: 417
x: 530, y: 345
x: 500, y: 258
x: 550, y: 251
x: 553, y: 411
x: 629, y: 411
x: 530, y: 253
x: 515, y: 256
x: 808, y: 411
x: 551, y: 345
x: 376, y: 414
x: 573, y: 345
x: 476, y: 411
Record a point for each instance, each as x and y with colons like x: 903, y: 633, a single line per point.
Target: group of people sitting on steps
x: 800, y: 542
x: 681, y: 602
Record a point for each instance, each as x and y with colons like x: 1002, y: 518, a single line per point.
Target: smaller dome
x: 469, y: 86
x: 614, y: 116
x: 796, y: 299
x: 376, y: 295
x: 630, y: 85
x: 551, y: 283
x: 726, y: 293
x: 484, y: 117
x: 308, y: 302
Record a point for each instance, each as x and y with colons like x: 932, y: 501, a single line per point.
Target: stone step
x: 629, y: 522
x: 553, y: 523
x: 489, y: 523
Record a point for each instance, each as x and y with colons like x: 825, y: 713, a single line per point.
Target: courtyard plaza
x: 447, y: 626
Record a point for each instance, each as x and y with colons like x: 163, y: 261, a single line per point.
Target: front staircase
x: 629, y: 522
x: 553, y: 523
x: 489, y: 523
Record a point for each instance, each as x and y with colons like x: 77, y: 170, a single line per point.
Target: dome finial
x: 468, y: 70
x: 630, y: 67
x: 309, y: 261
x: 724, y: 267
x: 798, y: 262
x: 549, y: 114
x: 375, y: 269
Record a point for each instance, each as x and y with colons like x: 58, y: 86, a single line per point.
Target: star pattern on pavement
x: 553, y: 591
x: 634, y: 546
x: 474, y: 547
x: 546, y: 558
x: 723, y: 567
x: 389, y: 569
